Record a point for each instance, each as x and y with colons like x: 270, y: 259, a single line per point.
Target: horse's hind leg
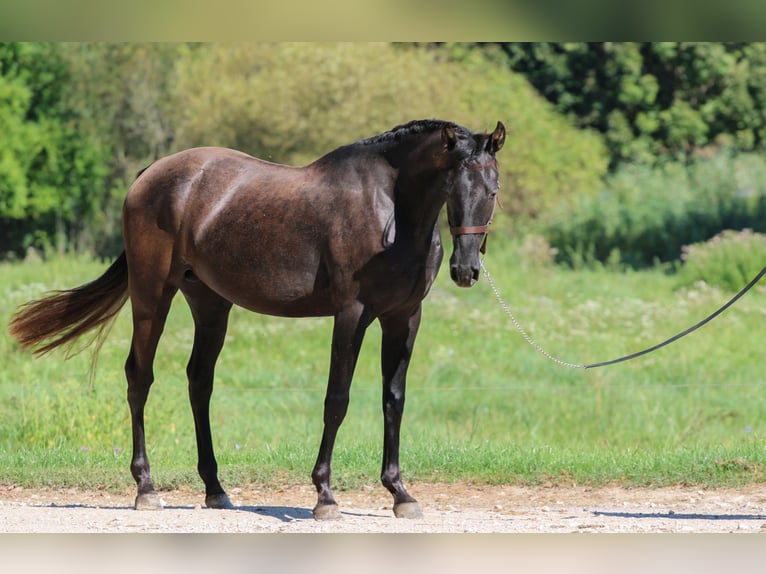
x: 149, y: 313
x: 211, y: 314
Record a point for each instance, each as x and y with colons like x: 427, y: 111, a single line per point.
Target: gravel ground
x: 148, y: 542
x: 457, y: 508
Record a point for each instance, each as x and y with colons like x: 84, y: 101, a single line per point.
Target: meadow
x: 482, y: 405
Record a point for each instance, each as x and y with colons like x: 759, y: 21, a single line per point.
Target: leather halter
x: 478, y: 229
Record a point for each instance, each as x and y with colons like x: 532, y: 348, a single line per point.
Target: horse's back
x: 188, y: 183
x: 174, y: 176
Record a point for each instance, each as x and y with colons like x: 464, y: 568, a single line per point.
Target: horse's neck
x: 418, y: 185
x: 418, y: 202
x: 421, y: 180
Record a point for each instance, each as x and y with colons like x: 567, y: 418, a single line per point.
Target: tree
x: 654, y: 100
x: 121, y: 98
x: 48, y: 174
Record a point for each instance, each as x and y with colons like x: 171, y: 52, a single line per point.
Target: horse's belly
x: 286, y: 293
x: 287, y: 303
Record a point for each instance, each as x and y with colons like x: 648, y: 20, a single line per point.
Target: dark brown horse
x: 353, y: 235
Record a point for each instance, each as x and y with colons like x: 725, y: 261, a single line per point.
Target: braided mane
x: 412, y: 128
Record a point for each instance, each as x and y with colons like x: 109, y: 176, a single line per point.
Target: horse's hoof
x: 326, y: 512
x: 408, y: 510
x: 149, y: 501
x: 218, y: 501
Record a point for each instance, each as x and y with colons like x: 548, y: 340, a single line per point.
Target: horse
x: 354, y: 235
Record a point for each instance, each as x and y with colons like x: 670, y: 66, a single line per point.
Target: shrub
x: 535, y: 252
x: 728, y: 260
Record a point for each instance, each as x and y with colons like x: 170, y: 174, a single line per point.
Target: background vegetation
x: 654, y: 100
x: 633, y: 194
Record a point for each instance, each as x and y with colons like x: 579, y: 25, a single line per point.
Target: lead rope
x: 542, y: 351
x: 518, y: 326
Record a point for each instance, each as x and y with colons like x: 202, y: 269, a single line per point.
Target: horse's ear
x: 449, y: 137
x: 497, y: 139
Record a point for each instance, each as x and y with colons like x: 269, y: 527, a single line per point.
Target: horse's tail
x: 63, y: 316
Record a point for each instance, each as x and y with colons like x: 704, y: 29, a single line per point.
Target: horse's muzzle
x: 464, y: 275
x: 464, y: 264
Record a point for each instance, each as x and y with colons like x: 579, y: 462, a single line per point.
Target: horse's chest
x: 398, y: 281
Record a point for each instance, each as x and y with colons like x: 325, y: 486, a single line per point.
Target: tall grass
x: 482, y: 405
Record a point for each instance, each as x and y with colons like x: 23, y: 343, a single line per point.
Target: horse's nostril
x: 464, y: 276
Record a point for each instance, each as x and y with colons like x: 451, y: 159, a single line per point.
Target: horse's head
x: 472, y: 187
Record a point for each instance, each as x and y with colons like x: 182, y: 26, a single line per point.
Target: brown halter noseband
x: 478, y: 229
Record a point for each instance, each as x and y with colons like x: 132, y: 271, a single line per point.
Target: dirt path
x: 448, y: 509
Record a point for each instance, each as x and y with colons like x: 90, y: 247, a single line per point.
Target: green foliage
x: 727, y: 261
x: 120, y: 96
x: 644, y: 215
x: 49, y: 174
x: 654, y: 100
x: 14, y: 101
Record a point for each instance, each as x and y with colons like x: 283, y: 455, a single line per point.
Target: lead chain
x: 521, y: 329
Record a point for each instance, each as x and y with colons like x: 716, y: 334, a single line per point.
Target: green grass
x: 482, y: 405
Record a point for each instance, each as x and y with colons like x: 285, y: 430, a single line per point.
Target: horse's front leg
x: 348, y: 332
x: 398, y: 341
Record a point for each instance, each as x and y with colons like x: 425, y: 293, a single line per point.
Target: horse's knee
x: 335, y: 409
x: 393, y: 404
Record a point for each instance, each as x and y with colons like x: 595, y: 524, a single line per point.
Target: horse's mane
x: 394, y: 136
x: 412, y: 128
